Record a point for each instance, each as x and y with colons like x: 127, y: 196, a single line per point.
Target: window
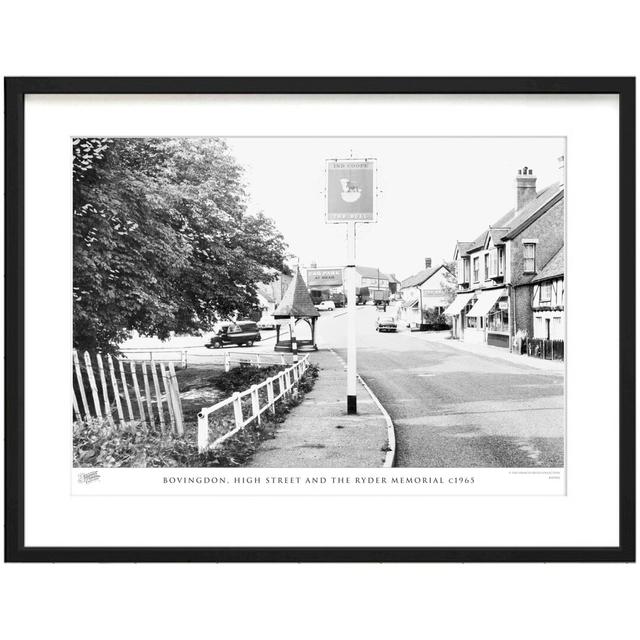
x: 476, y: 269
x: 545, y: 292
x: 498, y: 321
x: 493, y: 264
x: 486, y: 266
x: 500, y: 261
x: 467, y: 270
x: 537, y: 327
x: 471, y: 322
x: 556, y: 332
x: 529, y: 257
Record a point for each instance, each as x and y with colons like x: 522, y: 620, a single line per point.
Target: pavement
x: 319, y: 433
x: 454, y: 406
x: 486, y: 351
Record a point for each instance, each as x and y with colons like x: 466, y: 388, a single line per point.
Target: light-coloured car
x: 386, y: 323
x: 326, y: 305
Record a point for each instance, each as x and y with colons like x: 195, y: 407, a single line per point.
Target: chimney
x: 525, y: 187
x: 427, y: 263
x: 314, y: 264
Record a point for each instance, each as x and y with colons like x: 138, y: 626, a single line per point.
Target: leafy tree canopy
x: 162, y: 239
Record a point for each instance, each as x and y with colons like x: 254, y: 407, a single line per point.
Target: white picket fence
x: 225, y: 359
x: 108, y: 399
x: 277, y: 387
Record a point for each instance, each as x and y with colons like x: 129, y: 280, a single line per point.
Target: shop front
x: 488, y: 319
x: 457, y: 310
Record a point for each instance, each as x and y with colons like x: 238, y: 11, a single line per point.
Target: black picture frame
x: 15, y: 91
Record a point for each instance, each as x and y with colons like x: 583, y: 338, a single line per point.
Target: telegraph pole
x: 352, y: 402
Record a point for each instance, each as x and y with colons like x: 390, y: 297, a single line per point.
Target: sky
x: 432, y: 192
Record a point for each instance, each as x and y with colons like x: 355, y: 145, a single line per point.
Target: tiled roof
x: 523, y: 215
x: 296, y: 301
x: 463, y: 247
x: 553, y: 268
x: 478, y: 243
x: 496, y: 235
x: 515, y: 219
x: 371, y: 272
x: 420, y: 277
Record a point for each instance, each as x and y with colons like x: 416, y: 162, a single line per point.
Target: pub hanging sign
x: 351, y: 190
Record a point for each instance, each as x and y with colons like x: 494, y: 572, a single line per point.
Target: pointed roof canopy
x: 296, y: 302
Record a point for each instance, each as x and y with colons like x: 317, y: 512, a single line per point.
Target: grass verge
x: 97, y: 444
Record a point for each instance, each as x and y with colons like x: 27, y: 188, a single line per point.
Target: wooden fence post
x: 183, y: 359
x: 281, y: 385
x: 175, y: 396
x: 105, y: 389
x: 227, y: 362
x: 92, y: 384
x: 203, y: 432
x: 116, y: 391
x: 237, y: 409
x: 156, y: 386
x: 147, y: 393
x: 255, y: 403
x: 270, y: 395
x: 136, y: 388
x: 166, y: 384
x: 76, y: 410
x: 125, y: 390
x: 83, y: 395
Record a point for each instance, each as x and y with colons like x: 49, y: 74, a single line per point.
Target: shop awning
x: 486, y: 300
x: 459, y: 303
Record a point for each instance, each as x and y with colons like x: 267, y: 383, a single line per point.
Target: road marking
x: 426, y: 375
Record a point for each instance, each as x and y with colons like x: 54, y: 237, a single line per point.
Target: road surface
x: 453, y: 408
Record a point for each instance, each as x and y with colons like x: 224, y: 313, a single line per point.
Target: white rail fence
x: 224, y: 359
x: 249, y: 405
x: 157, y: 386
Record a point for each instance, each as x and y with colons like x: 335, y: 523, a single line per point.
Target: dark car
x: 240, y: 333
x: 386, y: 323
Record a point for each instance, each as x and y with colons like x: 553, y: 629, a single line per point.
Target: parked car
x: 386, y: 323
x: 243, y: 333
x: 326, y: 305
x: 267, y: 322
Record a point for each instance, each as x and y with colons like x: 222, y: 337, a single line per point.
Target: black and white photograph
x: 315, y: 302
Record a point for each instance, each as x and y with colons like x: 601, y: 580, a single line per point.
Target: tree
x: 162, y: 239
x: 450, y: 283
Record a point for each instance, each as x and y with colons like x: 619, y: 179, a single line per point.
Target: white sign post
x: 351, y: 195
x: 352, y: 367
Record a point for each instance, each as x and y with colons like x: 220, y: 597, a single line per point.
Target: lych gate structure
x: 296, y: 305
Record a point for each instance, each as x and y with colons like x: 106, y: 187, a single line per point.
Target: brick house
x: 499, y: 270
